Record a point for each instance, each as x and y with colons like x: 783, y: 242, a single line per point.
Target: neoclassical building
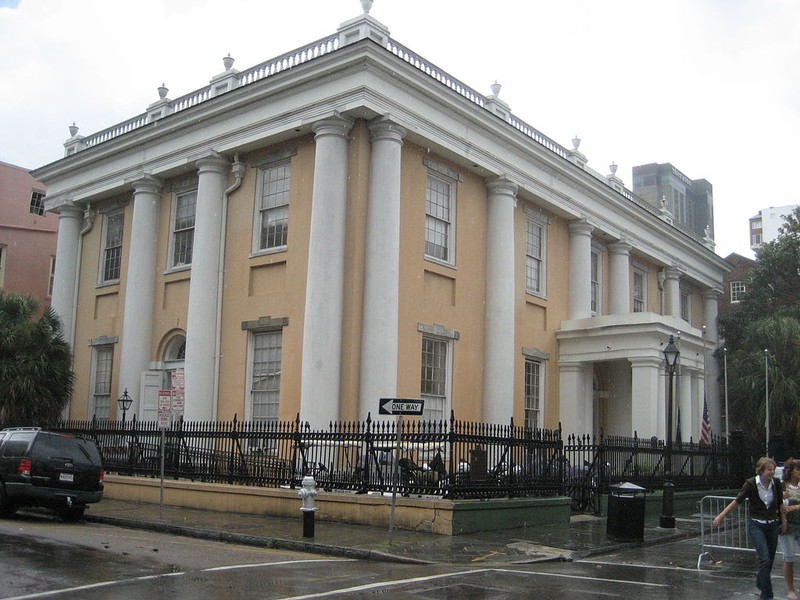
x: 347, y: 222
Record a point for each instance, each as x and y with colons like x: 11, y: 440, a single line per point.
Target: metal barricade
x: 732, y: 532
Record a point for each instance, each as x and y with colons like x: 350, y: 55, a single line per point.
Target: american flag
x: 705, y: 431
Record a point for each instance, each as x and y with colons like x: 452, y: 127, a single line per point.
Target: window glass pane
x: 433, y: 379
x: 112, y: 256
x: 534, y: 250
x: 532, y: 393
x: 638, y: 291
x: 274, y: 206
x: 183, y: 234
x: 266, y: 382
x: 437, y: 221
x: 101, y: 398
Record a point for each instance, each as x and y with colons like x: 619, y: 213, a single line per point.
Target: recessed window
x: 265, y: 380
x: 639, y: 291
x: 440, y: 213
x: 533, y: 393
x: 536, y: 254
x: 103, y: 359
x: 184, y: 211
x: 596, y: 273
x: 434, y: 377
x: 686, y: 305
x: 111, y: 258
x: 273, y: 206
x: 37, y: 202
x: 738, y: 288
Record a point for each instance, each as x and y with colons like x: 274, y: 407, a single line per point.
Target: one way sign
x: 400, y: 406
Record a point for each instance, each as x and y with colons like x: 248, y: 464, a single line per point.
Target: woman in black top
x: 765, y: 516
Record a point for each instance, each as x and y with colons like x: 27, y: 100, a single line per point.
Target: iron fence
x: 450, y: 459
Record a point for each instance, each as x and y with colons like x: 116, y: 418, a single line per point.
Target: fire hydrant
x: 308, y: 496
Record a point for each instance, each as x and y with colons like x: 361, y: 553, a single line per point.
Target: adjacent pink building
x: 27, y: 235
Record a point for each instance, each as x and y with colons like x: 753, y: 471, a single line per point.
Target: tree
x: 36, y: 375
x: 768, y: 318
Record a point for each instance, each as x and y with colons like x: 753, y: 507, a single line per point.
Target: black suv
x: 52, y: 470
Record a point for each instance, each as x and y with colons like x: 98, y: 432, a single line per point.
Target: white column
x: 580, y: 269
x: 619, y: 278
x: 672, y: 292
x: 379, y: 333
x: 63, y: 300
x: 137, y: 320
x: 201, y: 322
x: 713, y: 389
x: 322, y: 328
x: 575, y: 398
x: 647, y: 397
x: 499, y: 356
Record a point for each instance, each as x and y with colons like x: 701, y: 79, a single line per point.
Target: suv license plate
x: 68, y: 477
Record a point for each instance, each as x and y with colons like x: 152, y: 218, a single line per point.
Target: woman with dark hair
x: 765, y: 512
x: 789, y: 540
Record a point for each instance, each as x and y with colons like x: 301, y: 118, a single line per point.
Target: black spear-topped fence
x: 450, y: 459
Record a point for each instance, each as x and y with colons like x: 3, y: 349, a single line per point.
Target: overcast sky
x: 711, y: 86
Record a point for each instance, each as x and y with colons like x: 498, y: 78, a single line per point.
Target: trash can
x: 626, y: 503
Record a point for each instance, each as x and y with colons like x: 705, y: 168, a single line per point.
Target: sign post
x: 164, y: 418
x: 398, y: 407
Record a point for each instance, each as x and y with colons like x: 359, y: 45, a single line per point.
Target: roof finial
x: 73, y: 129
x: 162, y: 91
x: 366, y: 5
x: 496, y: 87
x: 227, y: 61
x: 576, y: 143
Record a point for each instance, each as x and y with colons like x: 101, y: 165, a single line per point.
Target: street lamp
x: 125, y: 402
x: 667, y: 519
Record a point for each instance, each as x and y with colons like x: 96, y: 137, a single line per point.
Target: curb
x: 255, y: 540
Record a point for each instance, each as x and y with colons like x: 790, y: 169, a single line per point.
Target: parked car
x: 39, y: 468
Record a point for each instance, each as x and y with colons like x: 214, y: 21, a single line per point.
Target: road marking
x: 397, y: 582
x: 102, y: 584
x: 272, y: 564
x: 385, y: 584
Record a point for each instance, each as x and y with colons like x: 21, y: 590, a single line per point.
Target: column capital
x: 335, y: 125
x: 502, y: 186
x: 712, y: 294
x: 619, y: 247
x: 69, y: 211
x: 580, y: 227
x: 672, y: 272
x: 212, y: 162
x: 384, y: 128
x: 146, y: 184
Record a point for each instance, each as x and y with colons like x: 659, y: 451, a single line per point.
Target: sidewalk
x: 585, y: 535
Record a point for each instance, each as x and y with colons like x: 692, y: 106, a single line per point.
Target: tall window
x: 738, y: 288
x: 52, y: 278
x: 37, y: 202
x: 686, y: 305
x: 3, y: 252
x: 265, y: 385
x: 595, y: 284
x: 434, y: 378
x: 101, y: 389
x: 183, y: 228
x: 439, y: 218
x: 273, y: 206
x: 639, y: 291
x: 533, y: 393
x: 535, y: 257
x: 112, y: 248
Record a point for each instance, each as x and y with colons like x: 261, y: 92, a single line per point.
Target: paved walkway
x: 584, y: 536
